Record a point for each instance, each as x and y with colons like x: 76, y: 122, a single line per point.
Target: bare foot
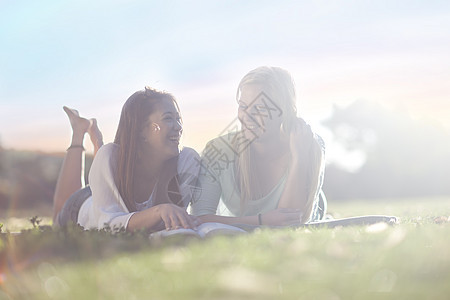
x: 96, y: 135
x: 79, y: 125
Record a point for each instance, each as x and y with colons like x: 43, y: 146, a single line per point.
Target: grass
x: 407, y: 261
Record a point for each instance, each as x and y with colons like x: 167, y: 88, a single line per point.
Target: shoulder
x: 106, y: 154
x: 187, y: 153
x: 222, y: 145
x: 219, y: 155
x: 108, y: 149
x: 188, y: 161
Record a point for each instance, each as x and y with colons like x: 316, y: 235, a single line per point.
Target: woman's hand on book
x: 175, y: 217
x: 281, y: 217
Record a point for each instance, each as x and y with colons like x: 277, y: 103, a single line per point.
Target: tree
x: 404, y: 157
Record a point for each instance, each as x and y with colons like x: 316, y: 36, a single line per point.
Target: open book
x: 360, y: 220
x: 204, y: 230
x: 351, y: 221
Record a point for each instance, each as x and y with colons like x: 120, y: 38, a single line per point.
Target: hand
x: 175, y: 217
x: 300, y: 141
x: 282, y: 217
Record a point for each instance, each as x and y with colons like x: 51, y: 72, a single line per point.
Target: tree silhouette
x: 404, y: 157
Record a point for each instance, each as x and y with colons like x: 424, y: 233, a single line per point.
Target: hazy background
x: 373, y: 77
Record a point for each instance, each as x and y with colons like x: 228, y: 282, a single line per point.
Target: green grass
x: 408, y: 261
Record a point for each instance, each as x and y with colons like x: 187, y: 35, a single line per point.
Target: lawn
x: 410, y: 260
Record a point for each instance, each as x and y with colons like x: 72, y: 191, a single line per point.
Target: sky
x: 92, y: 55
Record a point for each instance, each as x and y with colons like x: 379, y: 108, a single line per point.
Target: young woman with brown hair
x: 141, y: 181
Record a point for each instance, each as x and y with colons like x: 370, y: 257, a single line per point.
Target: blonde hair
x: 280, y: 87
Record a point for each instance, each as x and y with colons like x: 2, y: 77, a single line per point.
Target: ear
x: 156, y: 127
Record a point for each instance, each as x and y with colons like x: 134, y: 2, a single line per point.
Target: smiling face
x: 162, y: 131
x: 258, y: 115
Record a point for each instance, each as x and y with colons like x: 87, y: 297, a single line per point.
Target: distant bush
x: 404, y: 157
x: 28, y: 179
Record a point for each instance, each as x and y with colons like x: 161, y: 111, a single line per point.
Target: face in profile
x: 163, y: 129
x: 259, y: 116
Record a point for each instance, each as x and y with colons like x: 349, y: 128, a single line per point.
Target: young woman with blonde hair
x: 270, y: 172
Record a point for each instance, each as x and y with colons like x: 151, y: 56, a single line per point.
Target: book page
x: 209, y: 229
x: 180, y: 231
x: 202, y: 231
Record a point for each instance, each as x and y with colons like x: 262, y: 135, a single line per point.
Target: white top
x: 106, y: 208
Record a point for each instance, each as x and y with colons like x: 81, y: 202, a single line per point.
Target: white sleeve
x: 108, y: 208
x: 188, y: 168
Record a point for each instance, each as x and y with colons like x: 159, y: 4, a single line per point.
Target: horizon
x: 93, y: 56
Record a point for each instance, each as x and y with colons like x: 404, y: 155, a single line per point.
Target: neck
x: 150, y: 165
x: 148, y: 170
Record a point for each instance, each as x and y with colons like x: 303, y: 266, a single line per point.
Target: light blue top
x: 220, y: 190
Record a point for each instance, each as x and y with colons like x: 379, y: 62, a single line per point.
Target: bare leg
x: 71, y: 176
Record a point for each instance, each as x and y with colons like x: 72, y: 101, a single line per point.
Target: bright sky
x: 92, y: 55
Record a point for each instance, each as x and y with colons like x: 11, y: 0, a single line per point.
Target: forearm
x: 296, y: 189
x: 302, y: 182
x: 146, y: 219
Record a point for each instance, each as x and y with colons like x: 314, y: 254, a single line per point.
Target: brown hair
x: 133, y: 119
